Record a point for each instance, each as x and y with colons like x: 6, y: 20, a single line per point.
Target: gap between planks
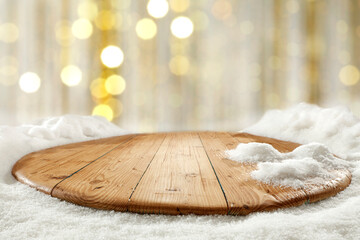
x: 127, y: 140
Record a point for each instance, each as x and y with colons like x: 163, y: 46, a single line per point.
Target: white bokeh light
x: 112, y: 56
x: 158, y: 8
x: 71, y: 75
x: 182, y: 27
x: 29, y: 82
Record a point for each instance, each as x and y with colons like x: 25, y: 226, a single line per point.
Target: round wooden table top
x: 168, y: 173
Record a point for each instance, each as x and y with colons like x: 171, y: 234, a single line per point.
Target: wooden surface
x: 168, y: 173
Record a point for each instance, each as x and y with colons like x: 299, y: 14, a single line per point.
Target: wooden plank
x: 108, y: 182
x: 180, y: 180
x: 44, y: 169
x: 244, y: 194
x: 329, y: 188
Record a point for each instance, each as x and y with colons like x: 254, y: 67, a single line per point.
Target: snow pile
x: 335, y: 127
x: 16, y: 142
x: 308, y: 164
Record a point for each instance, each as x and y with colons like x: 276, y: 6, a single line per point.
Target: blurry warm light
x: 29, y: 82
x: 82, y: 28
x: 112, y: 56
x: 9, y: 32
x: 179, y: 65
x: 119, y: 21
x: 177, y: 47
x: 104, y: 111
x: 182, y: 27
x: 116, y: 106
x: 87, y: 9
x: 71, y: 75
x: 8, y: 74
x: 8, y: 70
x: 246, y: 27
x: 292, y: 6
x: 349, y: 75
x: 221, y: 9
x: 146, y: 28
x: 123, y: 4
x: 115, y: 84
x: 200, y: 19
x: 97, y: 88
x: 179, y: 5
x: 105, y: 20
x: 157, y: 8
x: 63, y: 33
x: 342, y: 27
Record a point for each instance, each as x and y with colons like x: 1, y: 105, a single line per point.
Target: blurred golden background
x: 163, y: 65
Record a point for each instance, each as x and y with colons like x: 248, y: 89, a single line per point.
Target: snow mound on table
x: 308, y: 164
x: 16, y: 142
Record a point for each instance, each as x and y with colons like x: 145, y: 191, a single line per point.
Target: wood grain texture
x: 243, y: 193
x: 169, y: 173
x: 180, y: 180
x: 44, y: 169
x: 109, y: 182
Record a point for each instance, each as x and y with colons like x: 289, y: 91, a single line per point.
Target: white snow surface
x: 309, y: 164
x: 28, y: 214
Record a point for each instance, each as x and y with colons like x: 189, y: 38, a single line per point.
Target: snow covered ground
x: 28, y: 214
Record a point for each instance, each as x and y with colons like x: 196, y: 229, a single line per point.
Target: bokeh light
x: 87, y: 9
x: 115, y: 84
x: 8, y: 70
x: 112, y: 56
x: 221, y: 9
x: 182, y: 27
x: 82, y: 28
x: 105, y: 20
x: 9, y: 32
x: 29, y: 82
x: 97, y: 88
x: 349, y: 75
x: 104, y: 111
x: 63, y: 33
x: 200, y: 19
x: 179, y: 5
x: 71, y: 75
x: 157, y: 8
x: 146, y: 28
x: 179, y: 65
x: 115, y: 105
